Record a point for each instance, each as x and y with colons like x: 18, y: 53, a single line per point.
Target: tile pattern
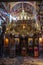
x: 21, y: 61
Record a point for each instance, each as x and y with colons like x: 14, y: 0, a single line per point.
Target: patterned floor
x: 21, y: 61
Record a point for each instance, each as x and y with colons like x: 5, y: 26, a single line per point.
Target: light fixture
x: 25, y: 17
x: 23, y: 11
x: 28, y: 17
x: 21, y: 17
x: 6, y: 41
x: 23, y: 26
x: 40, y: 39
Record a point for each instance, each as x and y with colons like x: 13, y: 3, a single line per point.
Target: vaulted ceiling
x: 15, y: 9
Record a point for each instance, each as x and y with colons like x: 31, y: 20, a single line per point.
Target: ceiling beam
x: 2, y: 18
x: 4, y: 6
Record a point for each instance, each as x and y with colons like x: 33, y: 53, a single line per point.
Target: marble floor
x: 21, y: 61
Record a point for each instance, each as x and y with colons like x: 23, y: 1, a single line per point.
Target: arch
x: 15, y: 3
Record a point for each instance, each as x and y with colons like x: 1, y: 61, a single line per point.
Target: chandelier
x: 23, y: 15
